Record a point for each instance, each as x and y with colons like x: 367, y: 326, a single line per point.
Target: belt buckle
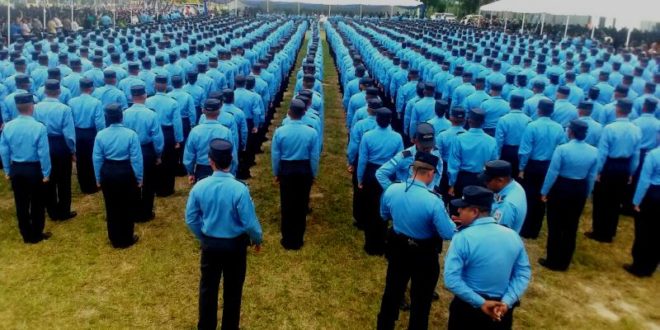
x: 411, y: 242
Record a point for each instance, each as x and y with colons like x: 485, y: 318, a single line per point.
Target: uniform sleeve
x: 123, y: 101
x: 157, y: 136
x: 603, y: 149
x: 362, y: 160
x: 553, y: 172
x: 194, y: 214
x: 43, y: 150
x: 5, y: 153
x: 591, y: 176
x: 315, y: 154
x: 177, y: 123
x: 275, y: 153
x: 644, y: 180
x: 441, y: 221
x: 520, y: 277
x: 136, y: 158
x: 189, y: 154
x: 454, y: 162
x: 499, y: 137
x: 412, y: 121
x: 248, y: 216
x: 634, y: 163
x: 387, y: 171
x: 353, y: 146
x: 385, y: 201
x: 192, y: 112
x: 454, y: 263
x: 525, y: 148
x: 99, y: 117
x: 69, y: 130
x: 97, y: 159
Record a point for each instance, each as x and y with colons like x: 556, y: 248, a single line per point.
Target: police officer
x: 250, y: 103
x: 486, y: 267
x: 26, y: 161
x: 646, y: 201
x: 469, y: 153
x: 118, y: 170
x: 58, y: 119
x: 221, y: 214
x: 509, y: 132
x: 186, y: 104
x: 444, y: 141
x: 618, y: 157
x: 146, y: 124
x: 171, y: 124
x: 539, y: 141
x: 398, y: 169
x: 510, y: 205
x: 567, y: 185
x: 376, y: 147
x: 295, y: 153
x: 419, y: 224
x: 195, y: 155
x: 88, y: 119
x: 109, y: 93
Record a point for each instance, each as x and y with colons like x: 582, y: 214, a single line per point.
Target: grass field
x: 76, y: 280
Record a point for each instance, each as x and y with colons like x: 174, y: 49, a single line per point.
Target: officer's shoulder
x: 406, y: 153
x: 434, y: 194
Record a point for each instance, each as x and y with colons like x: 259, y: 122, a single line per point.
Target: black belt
x: 225, y: 244
x: 116, y: 162
x: 25, y: 163
x: 429, y: 243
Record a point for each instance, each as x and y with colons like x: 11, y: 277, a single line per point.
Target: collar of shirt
x: 221, y: 174
x: 622, y: 119
x: 51, y: 99
x: 502, y: 194
x: 476, y: 130
x: 482, y: 221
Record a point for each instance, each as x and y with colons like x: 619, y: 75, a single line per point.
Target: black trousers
x: 646, y: 250
x: 29, y: 197
x: 535, y: 172
x: 510, y: 154
x: 627, y: 207
x: 463, y: 316
x: 58, y: 202
x: 146, y: 204
x: 295, y: 185
x: 202, y: 171
x: 121, y: 193
x: 84, y: 166
x: 181, y: 170
x: 417, y: 264
x: 608, y: 197
x: 464, y: 179
x: 221, y: 257
x: 375, y: 230
x: 444, y: 184
x: 247, y: 157
x: 166, y: 171
x: 565, y: 204
x: 490, y: 131
x: 358, y: 200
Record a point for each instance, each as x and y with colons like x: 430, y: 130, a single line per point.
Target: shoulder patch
x: 459, y: 133
x: 406, y: 153
x: 497, y: 215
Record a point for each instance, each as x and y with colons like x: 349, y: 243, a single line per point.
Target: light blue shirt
x: 510, y: 206
x: 399, y: 168
x: 295, y: 141
x: 197, y: 144
x: 576, y: 160
x: 650, y: 127
x: 168, y: 113
x: 25, y: 140
x: 650, y: 175
x: 117, y: 143
x: 146, y: 124
x: 539, y: 140
x: 473, y: 267
x: 87, y: 112
x: 58, y: 119
x: 620, y: 139
x: 494, y: 108
x: 510, y: 129
x: 470, y: 152
x: 377, y: 147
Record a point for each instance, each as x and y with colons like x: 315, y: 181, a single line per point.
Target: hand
x: 45, y: 180
x: 544, y: 199
x: 450, y: 191
x: 350, y: 169
x: 191, y: 179
x: 255, y: 130
x: 630, y: 179
x: 360, y: 186
x: 456, y: 220
x: 489, y: 307
x: 257, y: 248
x: 598, y: 178
x: 636, y: 208
x: 521, y: 174
x: 501, y: 310
x: 7, y: 177
x: 140, y: 184
x: 277, y: 179
x: 98, y: 185
x: 177, y: 145
x: 159, y: 161
x: 73, y: 158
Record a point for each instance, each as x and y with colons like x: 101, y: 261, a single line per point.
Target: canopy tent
x: 628, y: 12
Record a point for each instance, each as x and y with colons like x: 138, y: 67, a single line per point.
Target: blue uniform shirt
x: 650, y: 175
x: 494, y: 107
x: 295, y: 141
x: 220, y: 206
x: 416, y: 211
x: 168, y: 112
x: 650, y: 127
x: 377, y: 147
x: 593, y: 132
x: 25, y: 140
x: 510, y: 206
x: 58, y: 119
x: 539, y: 140
x: 510, y: 129
x: 117, y: 142
x: 470, y: 152
x: 146, y: 124
x: 186, y: 104
x: 473, y: 267
x: 564, y: 112
x: 357, y: 132
x: 109, y: 94
x: 399, y: 168
x: 422, y: 111
x: 445, y: 139
x: 197, y: 144
x: 620, y: 139
x: 576, y: 160
x: 87, y: 112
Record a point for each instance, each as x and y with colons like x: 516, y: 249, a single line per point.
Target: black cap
x: 651, y: 103
x: 586, y: 105
x: 457, y: 113
x: 374, y: 103
x: 138, y: 90
x: 228, y: 95
x: 161, y: 79
x: 21, y: 79
x: 113, y: 112
x: 133, y: 66
x: 564, y: 90
x: 383, y: 112
x: 24, y: 98
x: 496, y: 169
x: 212, y: 105
x: 475, y: 196
x: 425, y: 135
x: 539, y: 84
x: 546, y: 105
x: 239, y: 79
x: 109, y: 74
x: 621, y: 89
x: 624, y: 104
x: 86, y: 83
x: 220, y: 151
x: 429, y: 86
x: 579, y: 127
x: 372, y: 91
x: 516, y: 101
x: 426, y: 160
x: 477, y: 115
x: 309, y: 78
x: 52, y: 85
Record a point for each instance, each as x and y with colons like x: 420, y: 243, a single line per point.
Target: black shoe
x: 404, y: 305
x: 358, y: 225
x: 44, y: 236
x: 70, y: 215
x: 288, y: 246
x: 146, y: 218
x: 436, y: 295
x: 632, y: 270
x: 592, y: 236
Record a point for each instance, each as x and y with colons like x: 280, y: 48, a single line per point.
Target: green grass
x: 76, y: 280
